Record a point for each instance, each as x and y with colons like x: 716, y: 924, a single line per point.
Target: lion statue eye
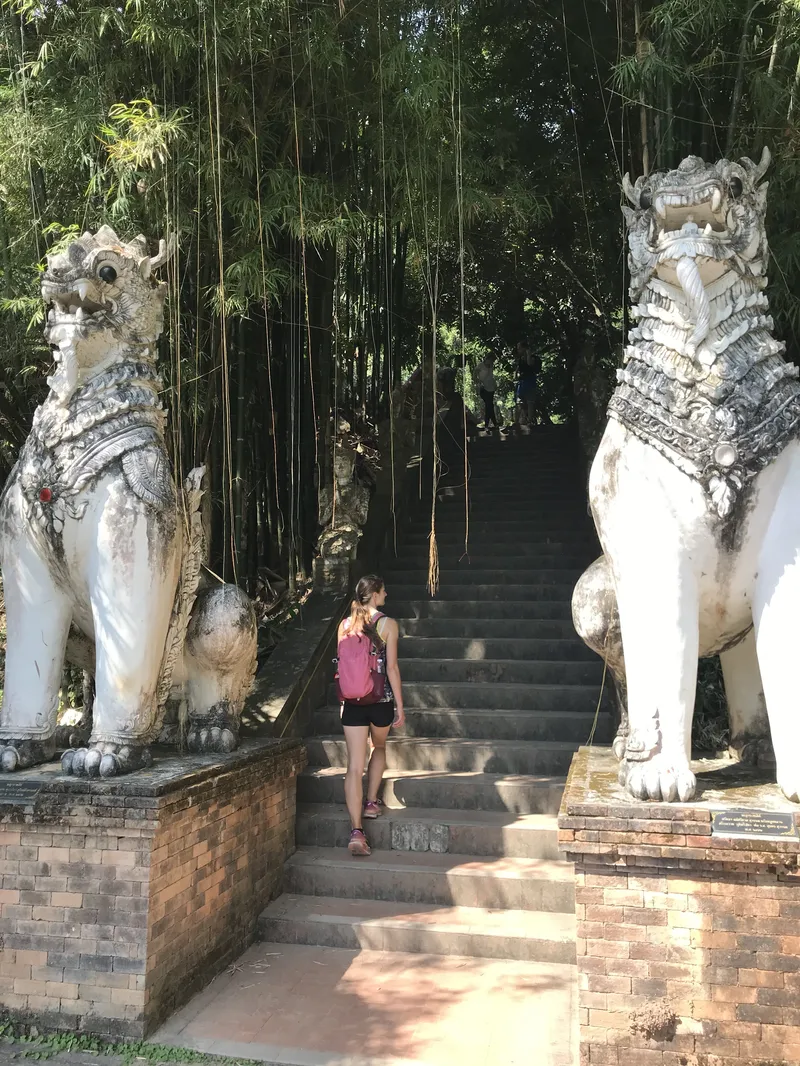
x: 736, y: 187
x: 107, y: 274
x: 645, y: 199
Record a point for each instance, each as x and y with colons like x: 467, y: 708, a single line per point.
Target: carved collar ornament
x: 704, y: 382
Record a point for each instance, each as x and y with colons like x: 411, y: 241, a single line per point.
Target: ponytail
x: 360, y: 611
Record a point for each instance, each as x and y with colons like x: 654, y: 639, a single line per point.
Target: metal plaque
x: 742, y: 823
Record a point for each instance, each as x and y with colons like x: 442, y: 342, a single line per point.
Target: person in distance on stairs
x: 367, y: 633
x: 484, y: 372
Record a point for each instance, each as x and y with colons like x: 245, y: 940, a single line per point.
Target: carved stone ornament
x: 695, y: 483
x: 704, y: 381
x: 343, y: 510
x: 100, y: 553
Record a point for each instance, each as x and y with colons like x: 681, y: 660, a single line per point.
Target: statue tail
x: 186, y: 593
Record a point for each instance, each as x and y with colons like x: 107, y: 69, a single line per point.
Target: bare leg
x: 356, y: 739
x: 377, y: 761
x: 746, y: 706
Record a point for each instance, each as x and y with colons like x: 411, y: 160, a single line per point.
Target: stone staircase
x: 499, y: 693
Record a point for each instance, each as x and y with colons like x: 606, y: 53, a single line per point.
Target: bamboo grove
x: 354, y: 188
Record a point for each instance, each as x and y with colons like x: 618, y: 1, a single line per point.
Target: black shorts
x: 378, y: 714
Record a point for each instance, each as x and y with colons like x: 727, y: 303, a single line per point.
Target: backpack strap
x: 374, y: 623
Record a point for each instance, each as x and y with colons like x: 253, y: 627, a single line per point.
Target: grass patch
x: 42, y: 1046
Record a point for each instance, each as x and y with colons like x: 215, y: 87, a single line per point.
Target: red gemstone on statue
x: 45, y: 495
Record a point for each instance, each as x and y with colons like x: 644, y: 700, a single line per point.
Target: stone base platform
x: 688, y: 940
x: 120, y: 899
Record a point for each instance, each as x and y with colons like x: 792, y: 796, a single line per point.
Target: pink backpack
x: 361, y: 673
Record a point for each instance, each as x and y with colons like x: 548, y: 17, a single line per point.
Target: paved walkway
x: 315, y: 1006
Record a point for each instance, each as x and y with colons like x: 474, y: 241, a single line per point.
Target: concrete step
x: 548, y: 631
x: 469, y: 590
x: 479, y: 649
x: 310, y: 1005
x: 495, y: 696
x: 455, y: 722
x: 472, y: 575
x: 502, y: 542
x: 523, y: 499
x: 383, y: 926
x: 536, y: 525
x: 414, y: 606
x: 442, y: 831
x: 525, y: 502
x: 515, y: 671
x: 447, y: 880
x: 517, y: 793
x: 519, y: 488
x: 455, y: 756
x: 456, y: 558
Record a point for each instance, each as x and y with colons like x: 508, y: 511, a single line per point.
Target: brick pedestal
x: 688, y: 942
x: 121, y: 899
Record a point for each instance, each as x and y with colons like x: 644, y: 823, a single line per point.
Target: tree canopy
x: 354, y: 187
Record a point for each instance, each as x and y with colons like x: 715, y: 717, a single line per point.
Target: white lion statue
x: 100, y: 555
x: 695, y: 487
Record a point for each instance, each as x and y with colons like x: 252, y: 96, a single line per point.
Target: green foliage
x: 710, y: 727
x: 43, y: 1046
x: 343, y: 179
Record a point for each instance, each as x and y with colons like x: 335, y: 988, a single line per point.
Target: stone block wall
x: 688, y: 943
x: 120, y: 899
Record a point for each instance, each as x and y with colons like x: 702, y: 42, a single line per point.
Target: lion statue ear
x: 758, y: 170
x: 629, y: 190
x: 166, y: 249
x: 629, y: 213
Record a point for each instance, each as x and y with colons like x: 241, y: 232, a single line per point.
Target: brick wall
x: 217, y: 860
x: 688, y: 944
x: 120, y: 899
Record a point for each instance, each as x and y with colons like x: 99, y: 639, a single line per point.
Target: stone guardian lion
x: 695, y: 487
x: 100, y: 553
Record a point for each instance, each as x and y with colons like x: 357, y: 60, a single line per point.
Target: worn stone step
x: 311, y: 1005
x: 447, y: 880
x: 517, y: 793
x: 455, y: 558
x: 523, y: 500
x: 479, y: 649
x: 502, y: 542
x: 472, y: 575
x: 443, y: 831
x: 454, y: 722
x: 377, y: 925
x: 558, y: 495
x: 510, y: 472
x: 510, y: 491
x: 544, y: 522
x: 414, y: 606
x: 511, y: 592
x: 495, y: 695
x: 552, y: 631
x: 493, y: 671
x: 455, y: 755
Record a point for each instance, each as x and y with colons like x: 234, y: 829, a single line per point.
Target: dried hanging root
x: 433, y: 563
